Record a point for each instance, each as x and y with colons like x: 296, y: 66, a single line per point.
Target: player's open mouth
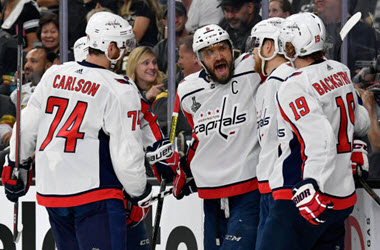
x: 221, y: 68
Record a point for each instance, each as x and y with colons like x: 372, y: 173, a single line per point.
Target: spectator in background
x: 36, y: 64
x: 280, y: 8
x: 202, y: 13
x: 188, y: 61
x: 161, y: 49
x: 143, y: 70
x: 361, y: 39
x: 239, y: 18
x: 25, y: 11
x: 145, y: 18
x: 189, y: 64
x: 371, y: 101
x: 48, y: 32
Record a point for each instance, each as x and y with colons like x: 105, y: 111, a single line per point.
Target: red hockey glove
x: 310, y: 202
x: 163, y: 159
x: 136, y: 211
x: 16, y: 184
x: 359, y: 159
x: 183, y: 184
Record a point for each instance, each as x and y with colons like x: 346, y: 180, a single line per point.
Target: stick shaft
x: 18, y: 122
x: 163, y: 182
x: 369, y: 190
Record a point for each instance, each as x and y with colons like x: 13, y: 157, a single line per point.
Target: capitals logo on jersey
x: 220, y: 121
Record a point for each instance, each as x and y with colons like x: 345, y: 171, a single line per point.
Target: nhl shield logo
x: 195, y: 106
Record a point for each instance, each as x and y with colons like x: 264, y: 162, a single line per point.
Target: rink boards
x: 181, y: 224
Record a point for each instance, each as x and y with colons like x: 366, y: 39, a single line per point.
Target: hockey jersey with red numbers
x: 267, y: 124
x: 86, y: 125
x: 224, y: 128
x: 320, y: 106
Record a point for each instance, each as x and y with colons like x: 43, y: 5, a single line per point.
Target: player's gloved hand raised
x: 16, y: 184
x: 183, y: 184
x: 359, y: 159
x: 163, y: 159
x: 136, y: 207
x: 310, y: 202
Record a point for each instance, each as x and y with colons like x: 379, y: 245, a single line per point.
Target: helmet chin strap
x: 114, y: 61
x: 264, y: 59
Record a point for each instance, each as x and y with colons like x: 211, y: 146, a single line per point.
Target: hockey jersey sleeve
x: 313, y: 132
x: 362, y: 121
x: 122, y: 123
x: 30, y: 118
x: 151, y: 130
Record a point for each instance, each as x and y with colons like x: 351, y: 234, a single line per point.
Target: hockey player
x: 312, y: 181
x: 85, y: 123
x: 271, y: 63
x: 218, y: 103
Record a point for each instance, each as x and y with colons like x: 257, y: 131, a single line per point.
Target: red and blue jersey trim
x: 79, y: 199
x: 264, y: 187
x: 228, y: 190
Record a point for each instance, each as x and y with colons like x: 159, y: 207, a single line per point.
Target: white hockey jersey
x: 85, y: 124
x: 27, y: 90
x: 266, y: 106
x: 224, y: 126
x: 319, y: 104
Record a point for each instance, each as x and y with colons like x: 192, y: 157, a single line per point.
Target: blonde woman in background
x: 143, y: 70
x: 145, y: 18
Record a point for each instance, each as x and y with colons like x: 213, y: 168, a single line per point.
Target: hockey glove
x: 16, y: 184
x: 310, y: 202
x: 183, y: 184
x: 135, y: 208
x: 163, y: 159
x: 359, y: 159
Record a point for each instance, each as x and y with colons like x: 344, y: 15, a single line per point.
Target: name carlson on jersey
x: 219, y: 121
x: 70, y: 83
x: 337, y: 80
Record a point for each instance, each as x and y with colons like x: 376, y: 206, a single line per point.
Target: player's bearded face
x: 258, y: 60
x: 218, y: 62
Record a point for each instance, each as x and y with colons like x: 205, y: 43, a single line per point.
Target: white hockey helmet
x: 207, y: 36
x: 266, y: 29
x: 104, y: 28
x: 305, y: 31
x: 80, y: 49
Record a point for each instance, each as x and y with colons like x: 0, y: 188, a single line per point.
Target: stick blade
x: 350, y: 24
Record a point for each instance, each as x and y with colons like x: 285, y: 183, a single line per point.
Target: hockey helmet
x: 80, y: 49
x: 266, y: 29
x: 305, y: 31
x: 207, y: 36
x: 104, y: 28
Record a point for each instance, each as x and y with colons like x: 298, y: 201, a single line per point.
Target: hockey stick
x: 160, y: 203
x: 17, y: 231
x: 345, y: 30
x: 369, y: 190
x: 161, y: 195
x: 349, y: 25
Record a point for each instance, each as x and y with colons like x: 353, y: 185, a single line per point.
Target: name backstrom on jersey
x: 218, y: 121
